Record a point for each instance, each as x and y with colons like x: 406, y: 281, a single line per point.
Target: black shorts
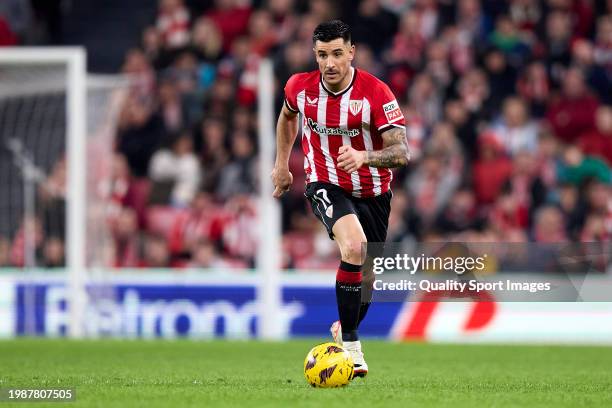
x: 330, y: 203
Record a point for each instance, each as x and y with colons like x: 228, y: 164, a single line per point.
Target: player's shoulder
x: 303, y: 78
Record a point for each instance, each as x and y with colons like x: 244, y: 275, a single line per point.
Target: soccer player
x: 352, y: 134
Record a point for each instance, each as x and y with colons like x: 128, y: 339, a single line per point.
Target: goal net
x: 56, y: 138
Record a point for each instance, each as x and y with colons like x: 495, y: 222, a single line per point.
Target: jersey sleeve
x: 386, y: 112
x: 291, y: 91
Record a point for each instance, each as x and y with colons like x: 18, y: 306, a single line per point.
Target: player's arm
x: 394, y: 153
x: 286, y: 132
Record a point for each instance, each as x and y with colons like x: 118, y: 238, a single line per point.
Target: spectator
x: 205, y: 255
x: 126, y: 239
x: 231, y: 18
x: 491, y: 170
x: 285, y: 21
x: 572, y: 208
x: 152, y: 46
x: 207, y: 40
x: 240, y: 234
x: 27, y: 243
x: 173, y: 23
x: 515, y: 129
x: 558, y: 35
x: 156, y: 253
x: 473, y: 90
x: 574, y: 111
x: 171, y: 109
x: 239, y: 175
x: 180, y: 167
x: 460, y: 214
x: 549, y: 226
x: 603, y: 43
x: 374, y: 25
x: 508, y: 216
x: 201, y: 221
x: 500, y: 74
x: 408, y: 43
x: 472, y: 21
x: 262, y: 35
x: 507, y: 39
x: 464, y: 122
x: 437, y: 64
x: 432, y: 185
x: 533, y: 86
x: 596, y: 76
x: 598, y: 142
x: 53, y: 253
x: 425, y: 99
x: 213, y: 153
x: 524, y: 184
x: 578, y: 168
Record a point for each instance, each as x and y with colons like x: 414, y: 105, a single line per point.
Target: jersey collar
x: 354, y: 75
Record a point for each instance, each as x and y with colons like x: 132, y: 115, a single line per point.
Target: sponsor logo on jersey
x: 392, y: 111
x: 323, y: 130
x: 312, y: 101
x: 330, y: 211
x: 355, y: 106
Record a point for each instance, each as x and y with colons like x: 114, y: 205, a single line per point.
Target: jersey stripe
x: 310, y: 112
x: 367, y: 139
x: 306, y: 145
x: 346, y: 140
x: 322, y: 120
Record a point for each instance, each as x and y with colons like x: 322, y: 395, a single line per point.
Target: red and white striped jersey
x: 356, y: 116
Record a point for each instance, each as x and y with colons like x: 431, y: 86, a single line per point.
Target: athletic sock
x: 348, y: 298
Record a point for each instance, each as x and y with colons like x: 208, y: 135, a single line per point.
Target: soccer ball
x: 328, y: 365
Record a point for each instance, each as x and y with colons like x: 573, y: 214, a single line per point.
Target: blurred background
x: 508, y: 106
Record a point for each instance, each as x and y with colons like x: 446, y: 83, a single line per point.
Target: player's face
x: 334, y: 59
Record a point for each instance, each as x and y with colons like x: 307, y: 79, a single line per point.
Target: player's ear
x: 351, y: 52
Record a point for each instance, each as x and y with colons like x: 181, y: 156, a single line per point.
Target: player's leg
x: 373, y: 214
x: 350, y: 237
x: 337, y: 212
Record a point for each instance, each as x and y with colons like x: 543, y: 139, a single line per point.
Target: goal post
x: 34, y: 72
x: 269, y: 253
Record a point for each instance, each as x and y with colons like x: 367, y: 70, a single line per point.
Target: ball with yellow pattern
x: 328, y: 365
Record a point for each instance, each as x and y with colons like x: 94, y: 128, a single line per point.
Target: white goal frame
x: 74, y: 59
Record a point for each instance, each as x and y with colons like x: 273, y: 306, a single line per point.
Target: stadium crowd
x: 508, y: 106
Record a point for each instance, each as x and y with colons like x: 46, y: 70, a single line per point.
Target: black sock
x: 363, y: 310
x: 348, y: 298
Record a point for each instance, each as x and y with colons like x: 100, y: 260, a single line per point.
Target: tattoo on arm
x: 394, y: 152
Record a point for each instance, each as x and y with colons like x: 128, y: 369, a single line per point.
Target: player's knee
x: 351, y: 251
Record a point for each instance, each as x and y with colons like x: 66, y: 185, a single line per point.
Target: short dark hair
x: 330, y: 30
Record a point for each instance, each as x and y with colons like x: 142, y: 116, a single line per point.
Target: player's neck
x: 342, y: 86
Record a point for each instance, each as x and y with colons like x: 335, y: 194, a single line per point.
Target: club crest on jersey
x: 355, y: 106
x: 312, y: 101
x: 392, y: 111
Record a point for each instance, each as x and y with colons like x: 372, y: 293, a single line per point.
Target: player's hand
x: 349, y: 159
x: 282, y: 180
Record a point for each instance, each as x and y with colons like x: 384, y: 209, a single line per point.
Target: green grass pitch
x: 172, y: 374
